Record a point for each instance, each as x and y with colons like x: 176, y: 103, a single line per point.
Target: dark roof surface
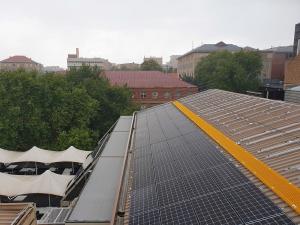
x: 145, y: 79
x: 220, y: 46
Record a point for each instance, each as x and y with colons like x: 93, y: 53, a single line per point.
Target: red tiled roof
x: 145, y: 79
x: 18, y: 59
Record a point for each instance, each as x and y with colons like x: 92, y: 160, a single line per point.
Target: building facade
x: 292, y: 66
x: 20, y: 62
x: 274, y: 60
x: 173, y: 63
x: 150, y: 88
x: 75, y: 61
x: 188, y: 62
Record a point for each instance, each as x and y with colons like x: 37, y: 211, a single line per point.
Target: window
x: 154, y: 94
x: 177, y: 94
x: 167, y: 95
x: 143, y: 94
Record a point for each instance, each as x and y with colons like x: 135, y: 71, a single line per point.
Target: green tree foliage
x: 151, y: 65
x: 55, y: 111
x: 237, y: 72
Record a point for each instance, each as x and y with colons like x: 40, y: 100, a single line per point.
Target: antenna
x: 192, y: 45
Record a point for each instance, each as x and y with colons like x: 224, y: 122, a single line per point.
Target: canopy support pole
x: 35, y: 168
x: 72, y: 167
x: 49, y: 200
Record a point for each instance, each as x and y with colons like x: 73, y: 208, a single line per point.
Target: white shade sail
x: 46, y: 183
x: 36, y: 154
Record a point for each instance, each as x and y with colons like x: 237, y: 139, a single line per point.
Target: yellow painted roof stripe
x: 279, y: 184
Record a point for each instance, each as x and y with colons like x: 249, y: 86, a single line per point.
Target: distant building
x: 151, y: 88
x: 292, y: 95
x: 297, y: 40
x: 188, y: 62
x: 292, y: 72
x: 159, y: 60
x: 274, y: 60
x: 173, y: 61
x: 54, y: 69
x: 20, y: 62
x: 74, y: 61
x: 292, y: 67
x: 129, y: 66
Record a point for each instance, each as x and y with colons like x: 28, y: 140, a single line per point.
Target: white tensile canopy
x: 46, y: 183
x: 36, y: 154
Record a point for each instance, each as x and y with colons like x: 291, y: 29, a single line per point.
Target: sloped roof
x: 179, y: 175
x: 220, y: 46
x: 18, y: 59
x: 280, y: 49
x: 145, y: 79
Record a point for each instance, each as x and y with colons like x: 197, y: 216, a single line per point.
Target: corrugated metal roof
x: 165, y: 152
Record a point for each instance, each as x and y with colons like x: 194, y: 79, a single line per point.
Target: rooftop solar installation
x: 179, y: 176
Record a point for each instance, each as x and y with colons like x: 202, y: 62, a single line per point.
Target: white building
x: 74, y: 61
x: 173, y: 61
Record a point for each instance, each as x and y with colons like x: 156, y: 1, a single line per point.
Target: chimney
x: 77, y: 52
x: 297, y: 40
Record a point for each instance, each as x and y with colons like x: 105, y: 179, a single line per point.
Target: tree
x: 55, y: 111
x: 237, y: 72
x: 151, y: 65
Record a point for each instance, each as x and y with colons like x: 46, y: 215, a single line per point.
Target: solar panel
x: 215, y: 209
x: 147, y: 218
x: 143, y: 199
x: 250, y: 203
x: 277, y: 220
x: 181, y: 213
x: 180, y: 177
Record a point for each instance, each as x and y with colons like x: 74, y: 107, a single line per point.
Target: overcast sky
x: 127, y: 30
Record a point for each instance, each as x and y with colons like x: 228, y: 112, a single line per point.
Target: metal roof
x: 180, y: 176
x: 95, y: 203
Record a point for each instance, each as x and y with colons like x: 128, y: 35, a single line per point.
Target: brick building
x: 20, y: 62
x: 151, y: 88
x: 292, y: 67
x: 274, y: 60
x: 292, y: 72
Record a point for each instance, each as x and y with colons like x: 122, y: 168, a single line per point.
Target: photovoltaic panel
x: 147, y: 218
x: 277, y: 220
x: 143, y: 199
x: 171, y: 191
x: 181, y: 177
x: 181, y: 213
x: 250, y: 203
x: 215, y: 209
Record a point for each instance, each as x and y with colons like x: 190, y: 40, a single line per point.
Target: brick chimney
x: 77, y: 52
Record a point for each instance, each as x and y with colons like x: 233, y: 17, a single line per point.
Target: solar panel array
x: 180, y: 177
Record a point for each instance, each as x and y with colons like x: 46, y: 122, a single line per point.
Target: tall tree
x: 238, y: 72
x: 54, y: 111
x: 151, y: 65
